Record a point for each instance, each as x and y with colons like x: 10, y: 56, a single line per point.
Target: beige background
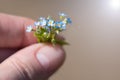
x: 94, y: 53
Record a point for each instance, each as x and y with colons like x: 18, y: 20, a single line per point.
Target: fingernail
x: 49, y: 56
x: 43, y: 59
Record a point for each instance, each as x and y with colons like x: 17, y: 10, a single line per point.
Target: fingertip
x: 51, y: 57
x: 38, y: 61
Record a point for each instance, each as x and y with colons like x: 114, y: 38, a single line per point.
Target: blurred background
x: 94, y: 36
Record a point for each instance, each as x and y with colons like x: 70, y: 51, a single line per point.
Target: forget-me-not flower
x: 29, y: 28
x: 69, y: 20
x: 46, y: 29
x: 43, y: 22
x: 62, y: 14
x: 51, y: 23
x: 37, y: 23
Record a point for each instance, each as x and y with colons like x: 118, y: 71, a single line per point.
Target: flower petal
x: 29, y: 28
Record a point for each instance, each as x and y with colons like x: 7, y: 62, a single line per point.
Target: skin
x: 18, y: 51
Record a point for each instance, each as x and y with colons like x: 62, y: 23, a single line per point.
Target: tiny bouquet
x: 47, y: 30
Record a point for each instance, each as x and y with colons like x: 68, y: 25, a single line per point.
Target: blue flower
x: 29, y: 28
x: 62, y: 14
x: 69, y: 20
x: 51, y: 23
x: 65, y: 21
x: 37, y: 23
x: 60, y: 25
x: 47, y: 29
x: 41, y: 18
x: 43, y: 22
x: 63, y: 25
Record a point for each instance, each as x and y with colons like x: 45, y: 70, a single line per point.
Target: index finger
x: 12, y: 31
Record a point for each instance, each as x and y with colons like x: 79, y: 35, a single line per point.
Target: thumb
x: 36, y: 62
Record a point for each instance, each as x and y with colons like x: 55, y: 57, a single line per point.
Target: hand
x: 35, y: 62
